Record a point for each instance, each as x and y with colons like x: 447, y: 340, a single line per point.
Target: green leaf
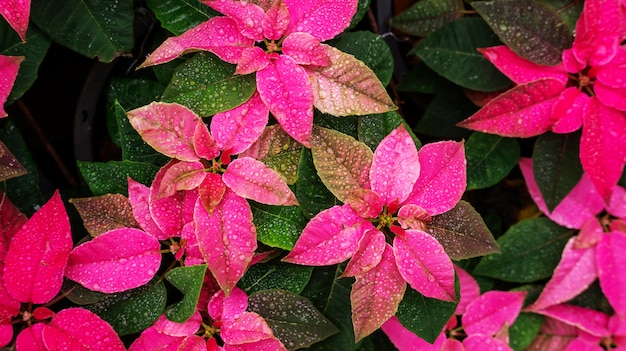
x: 132, y: 311
x: 311, y: 193
x: 111, y: 177
x: 207, y: 85
x: 278, y: 226
x: 80, y: 295
x: 92, y: 28
x: 369, y: 48
x: 361, y: 10
x: 531, y: 249
x: 374, y: 128
x: 531, y: 29
x: 346, y: 125
x: 178, y: 16
x: 524, y: 330
x: 556, y: 166
x: 421, y: 79
x: 451, y: 52
x: 426, y: 16
x: 569, y: 10
x: 293, y: 319
x: 133, y: 93
x: 424, y: 316
x: 448, y: 107
x: 490, y: 158
x: 275, y: 275
x: 462, y: 232
x: 188, y: 280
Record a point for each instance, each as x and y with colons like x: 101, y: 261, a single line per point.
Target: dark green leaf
x: 427, y: 16
x: 529, y: 28
x: 92, y: 28
x: 371, y: 49
x: 424, y: 316
x: 524, y: 330
x: 293, y: 319
x: 80, y: 295
x: 133, y: 93
x: 207, y: 85
x: 178, y: 16
x: 569, y: 10
x: 132, y: 311
x: 448, y: 107
x: 531, y: 249
x: 556, y: 166
x: 310, y: 191
x: 188, y: 280
x: 374, y: 128
x: 361, y: 10
x: 111, y: 177
x: 421, y: 79
x: 490, y: 158
x: 451, y: 52
x: 346, y: 125
x: 462, y: 232
x: 272, y: 275
x: 278, y: 226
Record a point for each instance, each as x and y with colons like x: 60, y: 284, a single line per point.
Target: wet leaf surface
x: 278, y: 226
x: 275, y: 275
x: 177, y: 16
x: 371, y: 49
x: 374, y: 128
x: 490, y: 158
x: 311, y: 193
x: 426, y: 16
x: 424, y: 316
x: 10, y: 167
x: 103, y: 213
x: 112, y: 177
x: 189, y: 281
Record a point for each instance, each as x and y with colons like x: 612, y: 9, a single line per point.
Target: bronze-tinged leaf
x: 12, y: 220
x: 462, y: 233
x: 10, y: 167
x: 342, y: 162
x: 101, y: 214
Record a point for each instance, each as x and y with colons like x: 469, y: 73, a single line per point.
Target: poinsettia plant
x: 321, y: 175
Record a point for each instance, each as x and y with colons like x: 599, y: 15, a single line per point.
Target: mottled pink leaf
x: 31, y: 338
x: 38, y: 253
x: 331, y: 237
x: 181, y: 176
x: 237, y: 129
x: 78, y: 329
x: 106, y: 212
x: 603, y: 146
x: 611, y: 261
x: 222, y: 307
x: 168, y: 127
x: 553, y: 335
x: 442, y: 178
x: 569, y: 107
x: 348, y: 87
x: 17, y: 13
x: 115, y: 261
x: 276, y: 21
x: 248, y: 327
x: 9, y: 66
x: 252, y: 179
x: 413, y: 217
x: 481, y: 342
x: 168, y: 327
x: 375, y: 295
x: 492, y: 311
x: 368, y: 255
x: 151, y: 340
x: 395, y: 167
x: 586, y: 319
x: 193, y: 343
x: 365, y: 203
x: 324, y: 19
x: 218, y: 35
x: 167, y: 212
x: 206, y: 147
x: 589, y: 235
x: 285, y: 89
x: 599, y: 32
x: 520, y: 70
x: 305, y: 50
x: 424, y: 264
x: 405, y: 340
x: 523, y: 111
x: 138, y: 195
x: 248, y: 16
x: 10, y: 166
x: 573, y: 275
x: 582, y: 203
x: 227, y: 238
x: 252, y: 59
x: 470, y: 290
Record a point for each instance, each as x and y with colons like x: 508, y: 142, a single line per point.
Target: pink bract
x: 17, y: 13
x: 9, y: 66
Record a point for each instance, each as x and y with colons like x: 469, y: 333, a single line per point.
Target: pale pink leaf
x: 603, y: 146
x: 305, y: 50
x: 38, y: 253
x: 227, y: 238
x: 324, y: 19
x: 442, y: 179
x: 218, y: 35
x: 247, y: 327
x: 368, y: 254
x: 375, y: 295
x: 17, y: 13
x: 138, y: 195
x: 413, y: 217
x: 573, y: 275
x: 586, y: 319
x: 331, y: 237
x: 252, y: 179
x: 520, y: 70
x: 425, y: 265
x: 78, y: 329
x: 181, y: 176
x: 151, y: 340
x: 405, y: 340
x: 237, y: 129
x: 276, y: 21
x: 523, y: 111
x: 470, y: 290
x: 168, y: 327
x: 166, y: 212
x: 252, y: 59
x: 395, y: 167
x: 168, y: 127
x: 115, y: 261
x: 248, y: 16
x: 348, y: 87
x: 31, y: 338
x: 285, y: 89
x: 222, y: 307
x: 9, y: 66
x: 599, y: 31
x: 569, y: 107
x: 492, y: 311
x: 365, y: 203
x: 611, y: 260
x: 481, y: 342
